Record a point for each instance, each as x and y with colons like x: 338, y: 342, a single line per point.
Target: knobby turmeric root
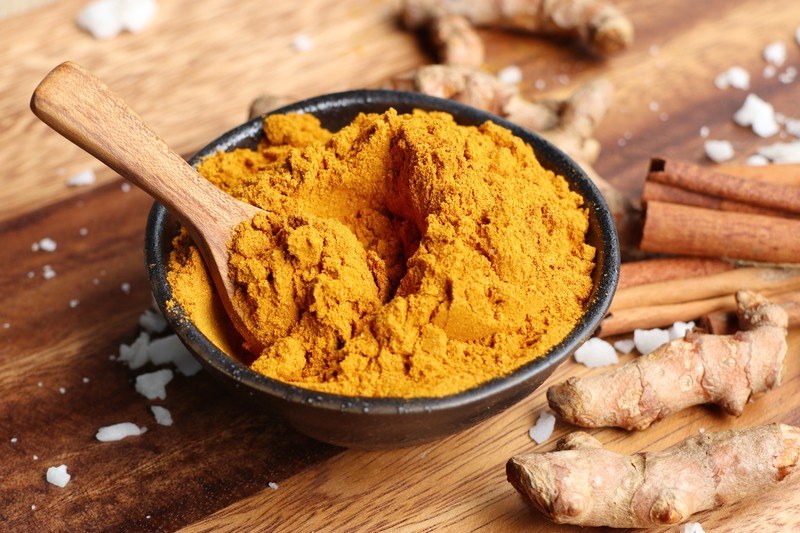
x: 596, y: 23
x: 698, y: 369
x: 456, y: 41
x: 581, y: 483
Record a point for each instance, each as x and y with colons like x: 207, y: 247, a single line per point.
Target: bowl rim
x: 223, y: 363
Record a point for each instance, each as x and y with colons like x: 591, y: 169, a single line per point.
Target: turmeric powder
x: 403, y: 256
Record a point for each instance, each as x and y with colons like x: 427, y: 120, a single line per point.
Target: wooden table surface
x: 192, y: 75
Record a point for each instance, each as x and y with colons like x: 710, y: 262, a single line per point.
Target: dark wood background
x: 192, y: 75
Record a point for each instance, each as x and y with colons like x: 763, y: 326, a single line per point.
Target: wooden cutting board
x: 192, y: 75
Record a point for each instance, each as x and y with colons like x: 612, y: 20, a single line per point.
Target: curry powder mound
x: 403, y: 256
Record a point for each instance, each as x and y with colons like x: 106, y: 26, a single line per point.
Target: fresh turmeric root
x: 457, y: 42
x: 596, y: 23
x: 581, y: 483
x: 698, y: 369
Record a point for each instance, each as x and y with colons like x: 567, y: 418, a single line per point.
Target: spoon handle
x: 83, y: 109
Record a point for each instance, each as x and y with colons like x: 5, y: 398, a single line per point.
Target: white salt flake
x: 787, y: 76
x: 511, y: 75
x: 701, y: 430
x: 769, y: 72
x: 153, y: 385
x: 14, y: 440
x: 6, y: 325
x: 31, y: 274
x: 62, y: 390
x: 119, y: 432
x: 170, y: 349
x: 647, y: 340
x: 40, y: 384
x: 775, y: 54
x: 759, y: 114
x: 692, y: 527
x: 543, y: 429
x: 85, y: 380
x: 756, y: 160
x: 105, y: 19
x: 74, y: 303
x: 100, y: 19
x: 48, y: 272
x: 704, y: 132
x: 624, y: 346
x: 126, y: 187
x: 302, y: 43
x: 792, y: 126
x: 162, y: 415
x: 273, y: 485
x: 125, y: 288
x: 35, y: 457
x: 680, y: 329
x: 33, y: 507
x: 58, y: 476
x: 83, y: 232
x: 719, y: 151
x: 135, y: 354
x: 735, y: 77
x: 46, y: 244
x: 152, y: 321
x: 782, y: 152
x: 595, y: 353
x: 136, y: 15
x: 35, y: 247
x: 83, y: 178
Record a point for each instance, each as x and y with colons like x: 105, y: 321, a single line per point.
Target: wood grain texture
x: 192, y: 76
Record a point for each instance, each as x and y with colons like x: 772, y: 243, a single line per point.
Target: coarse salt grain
x: 135, y: 354
x: 775, y: 54
x: 680, y: 329
x: 126, y: 187
x: 31, y: 274
x: 40, y: 384
x: 719, y: 151
x: 543, y: 429
x: 170, y: 349
x: 85, y: 380
x: 735, y: 77
x: 653, y: 106
x: 692, y: 527
x: 13, y: 440
x: 125, y: 288
x: 46, y: 244
x: 302, y: 43
x: 704, y: 132
x: 81, y: 179
x: 74, y: 303
x: 6, y: 325
x: 647, y: 340
x: 273, y: 485
x: 119, y: 431
x: 162, y: 415
x: 782, y: 152
x: 596, y: 353
x: 756, y: 160
x: 511, y: 75
x: 701, y: 430
x: 153, y: 385
x: 787, y: 76
x: 58, y: 476
x: 759, y: 114
x: 105, y: 19
x: 624, y: 346
x: 33, y: 507
x: 48, y: 272
x: 83, y: 232
x: 770, y: 71
x: 62, y: 390
x: 35, y: 457
x: 792, y: 126
x: 152, y: 321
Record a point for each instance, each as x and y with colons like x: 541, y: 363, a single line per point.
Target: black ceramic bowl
x: 390, y: 422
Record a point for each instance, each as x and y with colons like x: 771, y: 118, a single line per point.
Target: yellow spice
x: 403, y: 256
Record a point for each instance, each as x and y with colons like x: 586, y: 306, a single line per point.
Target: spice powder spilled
x: 402, y: 256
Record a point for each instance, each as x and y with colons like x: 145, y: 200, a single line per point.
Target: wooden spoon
x: 83, y: 109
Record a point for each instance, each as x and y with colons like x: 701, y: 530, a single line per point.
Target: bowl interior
x: 336, y: 111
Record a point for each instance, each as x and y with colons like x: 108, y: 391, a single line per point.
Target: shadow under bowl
x: 371, y: 423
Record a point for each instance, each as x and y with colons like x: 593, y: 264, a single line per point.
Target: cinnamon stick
x: 683, y: 230
x: 668, y: 268
x: 660, y: 192
x: 780, y: 174
x: 706, y: 181
x: 690, y: 289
